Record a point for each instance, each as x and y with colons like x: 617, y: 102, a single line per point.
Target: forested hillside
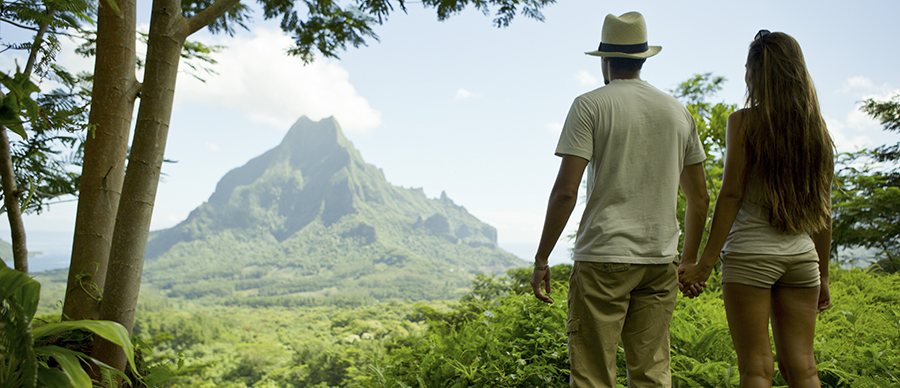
x: 497, y: 335
x: 310, y: 222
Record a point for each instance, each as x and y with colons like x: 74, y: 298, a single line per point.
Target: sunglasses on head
x: 760, y: 35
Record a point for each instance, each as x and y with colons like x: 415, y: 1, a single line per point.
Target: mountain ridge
x: 311, y: 218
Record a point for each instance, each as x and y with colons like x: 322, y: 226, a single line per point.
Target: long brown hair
x: 788, y: 148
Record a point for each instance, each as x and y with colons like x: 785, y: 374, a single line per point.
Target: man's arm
x: 728, y: 203
x: 693, y: 184
x: 563, y: 198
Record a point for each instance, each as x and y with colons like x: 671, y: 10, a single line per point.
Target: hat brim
x: 651, y: 51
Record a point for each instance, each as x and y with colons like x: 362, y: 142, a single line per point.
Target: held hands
x: 541, y: 275
x: 692, y: 278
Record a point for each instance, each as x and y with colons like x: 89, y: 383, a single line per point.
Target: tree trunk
x: 11, y: 199
x: 8, y: 170
x: 132, y: 228
x: 168, y: 32
x: 112, y: 105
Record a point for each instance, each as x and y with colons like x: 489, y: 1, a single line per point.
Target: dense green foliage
x: 497, y: 335
x: 514, y: 340
x: 47, y: 122
x: 277, y: 347
x: 866, y: 198
x: 32, y: 355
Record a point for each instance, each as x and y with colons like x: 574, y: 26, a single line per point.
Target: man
x: 640, y: 144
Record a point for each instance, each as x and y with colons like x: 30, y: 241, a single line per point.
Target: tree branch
x: 29, y: 28
x: 205, y: 17
x: 11, y: 202
x: 22, y: 26
x: 38, y: 40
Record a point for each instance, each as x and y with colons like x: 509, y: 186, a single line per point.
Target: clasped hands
x: 692, y: 278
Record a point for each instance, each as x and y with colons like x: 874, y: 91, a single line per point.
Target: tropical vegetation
x: 496, y: 335
x: 340, y: 297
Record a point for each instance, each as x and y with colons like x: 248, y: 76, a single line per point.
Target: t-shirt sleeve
x: 577, y: 137
x: 694, y: 152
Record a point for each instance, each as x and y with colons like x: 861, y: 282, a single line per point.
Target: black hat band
x: 623, y: 48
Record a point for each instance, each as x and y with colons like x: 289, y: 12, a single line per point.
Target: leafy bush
x: 497, y: 335
x: 500, y: 336
x: 29, y: 358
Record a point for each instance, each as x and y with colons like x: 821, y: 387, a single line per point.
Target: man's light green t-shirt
x: 637, y: 139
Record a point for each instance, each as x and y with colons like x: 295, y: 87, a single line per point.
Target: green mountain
x: 310, y: 222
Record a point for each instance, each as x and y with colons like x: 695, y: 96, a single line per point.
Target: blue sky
x: 463, y: 107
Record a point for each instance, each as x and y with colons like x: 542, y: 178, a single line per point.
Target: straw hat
x: 625, y: 37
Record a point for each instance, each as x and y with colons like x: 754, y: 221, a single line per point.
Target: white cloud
x: 212, y: 147
x: 864, y: 88
x: 846, y: 137
x: 256, y: 77
x: 585, y: 78
x: 555, y: 128
x: 858, y: 82
x: 860, y: 120
x: 463, y: 94
x: 856, y: 130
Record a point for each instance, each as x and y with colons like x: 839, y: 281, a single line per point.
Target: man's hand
x: 541, y: 276
x: 692, y: 279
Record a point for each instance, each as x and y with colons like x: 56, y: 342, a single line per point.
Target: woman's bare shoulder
x: 733, y: 129
x: 738, y: 114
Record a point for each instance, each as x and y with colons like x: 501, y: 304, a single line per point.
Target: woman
x: 772, y: 219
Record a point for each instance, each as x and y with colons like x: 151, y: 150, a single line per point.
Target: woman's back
x: 752, y: 231
x: 788, y: 149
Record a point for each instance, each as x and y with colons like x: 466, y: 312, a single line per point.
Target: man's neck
x: 614, y: 75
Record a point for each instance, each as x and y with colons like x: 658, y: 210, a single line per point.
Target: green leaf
x: 51, y: 377
x: 20, y: 88
x: 111, y: 331
x: 108, y: 371
x: 70, y: 362
x: 17, y: 285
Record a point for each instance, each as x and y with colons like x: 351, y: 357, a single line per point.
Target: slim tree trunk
x: 112, y: 105
x: 11, y: 200
x: 8, y: 171
x: 168, y: 32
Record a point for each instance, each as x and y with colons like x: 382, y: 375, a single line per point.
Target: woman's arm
x: 822, y: 241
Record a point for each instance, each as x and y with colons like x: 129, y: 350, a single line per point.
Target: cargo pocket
x: 572, y: 325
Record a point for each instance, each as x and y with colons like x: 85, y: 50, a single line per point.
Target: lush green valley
x: 496, y: 335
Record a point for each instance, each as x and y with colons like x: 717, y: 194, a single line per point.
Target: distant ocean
x: 49, y: 249
x: 53, y: 250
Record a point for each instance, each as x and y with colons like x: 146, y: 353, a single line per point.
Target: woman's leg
x: 747, y: 309
x: 794, y: 327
